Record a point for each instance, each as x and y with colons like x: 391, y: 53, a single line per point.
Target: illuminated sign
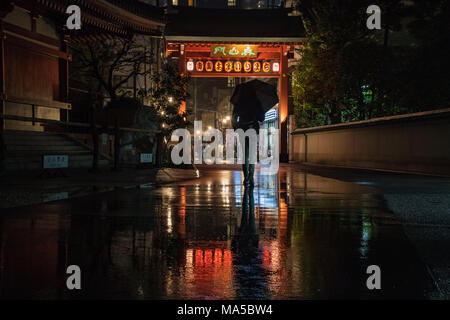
x: 276, y: 67
x: 199, y: 66
x: 247, y: 66
x: 209, y: 66
x: 234, y: 51
x: 190, y: 66
x: 235, y: 66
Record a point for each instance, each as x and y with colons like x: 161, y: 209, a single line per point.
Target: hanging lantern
x: 209, y: 66
x: 199, y: 66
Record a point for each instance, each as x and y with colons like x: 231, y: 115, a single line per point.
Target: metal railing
x: 86, y: 128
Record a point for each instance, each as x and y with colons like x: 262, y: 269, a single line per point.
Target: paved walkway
x: 296, y: 235
x: 421, y: 203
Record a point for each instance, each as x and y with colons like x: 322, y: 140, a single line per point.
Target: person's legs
x: 246, y: 165
x: 248, y: 168
x: 251, y: 174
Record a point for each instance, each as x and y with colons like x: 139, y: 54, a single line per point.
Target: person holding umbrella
x: 251, y: 100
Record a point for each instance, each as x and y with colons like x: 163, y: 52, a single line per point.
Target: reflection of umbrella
x: 253, y: 99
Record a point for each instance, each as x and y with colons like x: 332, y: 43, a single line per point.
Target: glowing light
x: 209, y: 66
x: 276, y: 67
x: 199, y: 66
x: 237, y: 66
x: 218, y: 66
x: 256, y: 66
x: 228, y: 117
x: 228, y: 66
x: 190, y: 66
x: 247, y: 66
x: 169, y: 220
x: 266, y: 67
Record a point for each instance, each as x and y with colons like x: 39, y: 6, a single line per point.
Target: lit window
x: 231, y: 3
x: 174, y: 2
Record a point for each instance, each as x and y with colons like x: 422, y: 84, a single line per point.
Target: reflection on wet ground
x: 294, y: 236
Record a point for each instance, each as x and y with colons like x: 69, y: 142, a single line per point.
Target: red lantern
x: 218, y: 66
x: 199, y: 66
x: 190, y: 65
x: 276, y: 67
x: 247, y: 66
x: 228, y: 66
x: 237, y: 66
x: 256, y: 66
x: 209, y: 66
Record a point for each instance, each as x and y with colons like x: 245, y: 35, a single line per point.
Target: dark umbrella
x: 253, y: 99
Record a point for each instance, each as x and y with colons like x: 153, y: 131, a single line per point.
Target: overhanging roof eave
x: 235, y: 39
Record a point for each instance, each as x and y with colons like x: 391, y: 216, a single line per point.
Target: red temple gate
x: 238, y: 59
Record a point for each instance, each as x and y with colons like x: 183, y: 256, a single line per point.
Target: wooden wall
x: 32, y: 57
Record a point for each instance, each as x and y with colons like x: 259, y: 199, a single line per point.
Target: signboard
x: 233, y: 51
x: 228, y: 66
x: 55, y: 161
x: 146, y: 158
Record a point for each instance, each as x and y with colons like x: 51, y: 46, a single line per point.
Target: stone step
x: 36, y: 138
x: 25, y: 150
x: 30, y: 153
x: 44, y: 148
x: 28, y: 164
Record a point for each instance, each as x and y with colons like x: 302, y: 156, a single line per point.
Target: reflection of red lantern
x: 218, y: 66
x: 266, y: 67
x: 199, y: 66
x: 276, y: 67
x: 237, y: 66
x: 256, y: 66
x: 209, y: 66
x: 190, y: 66
x: 228, y: 66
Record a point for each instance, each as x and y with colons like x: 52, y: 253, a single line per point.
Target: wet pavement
x: 294, y: 236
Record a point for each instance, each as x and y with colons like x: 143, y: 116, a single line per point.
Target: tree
x: 166, y: 98
x: 425, y: 79
x: 345, y: 67
x: 102, y: 61
x: 107, y: 65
